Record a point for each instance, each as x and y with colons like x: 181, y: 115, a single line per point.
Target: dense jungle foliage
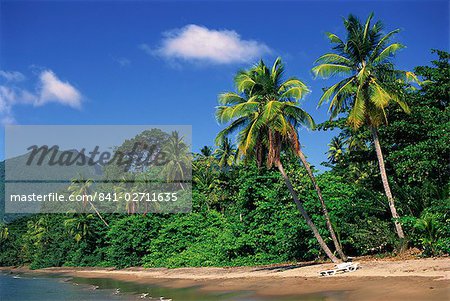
x: 244, y: 215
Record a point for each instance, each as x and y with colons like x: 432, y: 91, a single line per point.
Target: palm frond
x: 231, y: 128
x: 356, y: 116
x: 387, y: 52
x: 277, y: 70
x: 328, y: 70
x: 297, y: 114
x: 367, y: 25
x: 334, y: 59
x: 334, y: 91
x: 280, y: 125
x: 291, y: 82
x: 230, y: 98
x: 250, y: 135
x: 334, y: 38
x: 344, y: 92
x: 271, y: 110
x: 295, y: 92
x: 378, y: 96
x: 382, y: 42
x: 243, y: 81
x: 225, y: 114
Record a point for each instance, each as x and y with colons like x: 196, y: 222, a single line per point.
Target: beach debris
x: 163, y: 299
x: 341, y: 268
x: 94, y: 287
x: 144, y: 295
x: 117, y: 291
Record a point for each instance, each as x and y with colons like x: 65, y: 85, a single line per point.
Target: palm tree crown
x: 178, y: 158
x: 226, y: 153
x: 264, y: 112
x: 336, y: 150
x: 372, y: 82
x: 206, y: 151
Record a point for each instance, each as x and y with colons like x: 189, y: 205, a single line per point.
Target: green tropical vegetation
x: 255, y: 197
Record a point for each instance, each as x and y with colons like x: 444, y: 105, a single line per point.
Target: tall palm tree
x: 372, y: 83
x: 265, y: 114
x: 226, y: 153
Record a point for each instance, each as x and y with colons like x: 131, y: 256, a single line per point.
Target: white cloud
x: 9, y: 97
x: 12, y: 76
x: 49, y: 88
x: 55, y: 90
x: 198, y: 43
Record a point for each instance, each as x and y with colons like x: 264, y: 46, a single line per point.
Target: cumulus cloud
x: 48, y: 88
x: 54, y: 90
x: 198, y: 43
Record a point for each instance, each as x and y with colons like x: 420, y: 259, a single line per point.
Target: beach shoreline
x: 383, y: 279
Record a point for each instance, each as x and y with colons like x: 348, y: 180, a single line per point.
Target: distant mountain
x: 42, y: 169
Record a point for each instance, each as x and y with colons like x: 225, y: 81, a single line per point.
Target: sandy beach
x: 387, y: 279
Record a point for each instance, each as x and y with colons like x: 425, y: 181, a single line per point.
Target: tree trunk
x: 336, y: 243
x: 95, y: 209
x: 305, y: 215
x: 98, y: 214
x: 387, y: 188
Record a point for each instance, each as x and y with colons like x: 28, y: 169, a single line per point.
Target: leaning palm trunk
x: 387, y: 188
x: 98, y: 214
x: 336, y: 243
x: 305, y: 215
x: 95, y: 209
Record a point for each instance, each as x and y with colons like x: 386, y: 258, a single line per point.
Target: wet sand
x: 418, y: 279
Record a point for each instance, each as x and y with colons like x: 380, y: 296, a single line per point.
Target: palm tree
x: 226, y: 153
x: 265, y: 114
x: 177, y: 159
x: 335, y: 150
x: 372, y: 83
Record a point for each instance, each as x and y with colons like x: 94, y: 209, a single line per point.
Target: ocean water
x: 32, y: 288
x: 25, y: 287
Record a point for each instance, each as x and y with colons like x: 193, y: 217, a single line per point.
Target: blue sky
x: 139, y: 62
